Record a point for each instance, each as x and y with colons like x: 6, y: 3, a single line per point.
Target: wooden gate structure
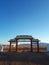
x: 29, y: 37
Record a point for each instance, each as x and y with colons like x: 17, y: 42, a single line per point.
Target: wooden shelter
x: 23, y: 37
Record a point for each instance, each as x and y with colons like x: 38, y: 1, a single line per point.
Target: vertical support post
x: 16, y: 45
x: 10, y: 47
x: 37, y: 46
x: 31, y: 45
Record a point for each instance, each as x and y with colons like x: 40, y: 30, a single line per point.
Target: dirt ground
x: 24, y: 58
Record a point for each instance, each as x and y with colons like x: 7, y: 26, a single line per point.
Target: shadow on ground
x: 24, y: 58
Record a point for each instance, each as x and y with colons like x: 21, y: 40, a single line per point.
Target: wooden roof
x: 24, y: 37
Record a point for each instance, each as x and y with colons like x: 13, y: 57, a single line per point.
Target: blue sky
x: 30, y: 17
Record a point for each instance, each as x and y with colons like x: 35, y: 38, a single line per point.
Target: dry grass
x: 25, y: 49
x: 25, y: 57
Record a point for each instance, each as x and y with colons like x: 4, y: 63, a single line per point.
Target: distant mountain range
x: 40, y: 44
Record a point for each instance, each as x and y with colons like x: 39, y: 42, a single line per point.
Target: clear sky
x: 30, y: 17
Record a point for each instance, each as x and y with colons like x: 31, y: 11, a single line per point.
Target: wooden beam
x: 37, y: 46
x: 16, y: 45
x: 31, y: 45
x: 10, y: 47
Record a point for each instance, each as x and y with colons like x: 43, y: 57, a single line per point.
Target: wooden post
x: 16, y: 45
x: 37, y: 46
x: 31, y: 45
x: 10, y: 47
